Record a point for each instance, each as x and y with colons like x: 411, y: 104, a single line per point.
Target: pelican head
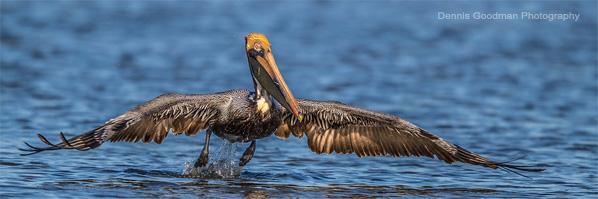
x: 266, y: 76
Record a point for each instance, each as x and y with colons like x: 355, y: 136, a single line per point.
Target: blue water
x: 498, y: 88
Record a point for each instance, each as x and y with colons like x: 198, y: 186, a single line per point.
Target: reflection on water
x: 498, y: 88
x: 206, y: 188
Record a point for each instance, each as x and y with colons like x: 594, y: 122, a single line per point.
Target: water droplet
x: 223, y: 165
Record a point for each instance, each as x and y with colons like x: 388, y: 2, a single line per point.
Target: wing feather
x: 151, y: 121
x: 336, y: 127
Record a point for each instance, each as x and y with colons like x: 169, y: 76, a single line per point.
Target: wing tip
x: 516, y: 169
x: 65, y: 144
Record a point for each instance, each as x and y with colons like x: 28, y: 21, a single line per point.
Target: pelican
x: 244, y: 116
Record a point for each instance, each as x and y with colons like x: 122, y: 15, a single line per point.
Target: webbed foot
x: 248, y: 154
x: 202, y: 160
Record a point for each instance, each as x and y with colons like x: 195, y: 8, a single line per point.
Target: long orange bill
x: 273, y: 81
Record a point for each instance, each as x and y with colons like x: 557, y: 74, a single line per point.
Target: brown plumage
x: 243, y: 116
x: 336, y: 127
x: 151, y: 121
x: 177, y: 113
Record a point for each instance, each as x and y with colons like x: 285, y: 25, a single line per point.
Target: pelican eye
x: 257, y: 46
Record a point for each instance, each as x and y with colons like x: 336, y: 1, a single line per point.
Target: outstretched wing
x: 336, y: 127
x: 150, y: 121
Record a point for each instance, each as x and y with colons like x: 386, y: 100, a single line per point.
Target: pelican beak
x: 265, y: 72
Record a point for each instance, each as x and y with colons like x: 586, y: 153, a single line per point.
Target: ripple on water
x: 497, y: 91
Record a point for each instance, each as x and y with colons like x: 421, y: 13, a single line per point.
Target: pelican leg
x: 248, y: 154
x: 202, y: 160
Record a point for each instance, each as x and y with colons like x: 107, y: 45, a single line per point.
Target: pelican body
x: 244, y: 116
x: 241, y: 123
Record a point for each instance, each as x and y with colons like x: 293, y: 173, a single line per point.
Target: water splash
x: 223, y: 165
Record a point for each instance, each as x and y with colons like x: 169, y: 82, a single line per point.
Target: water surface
x: 498, y: 88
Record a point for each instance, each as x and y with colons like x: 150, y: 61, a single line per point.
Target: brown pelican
x: 243, y: 116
